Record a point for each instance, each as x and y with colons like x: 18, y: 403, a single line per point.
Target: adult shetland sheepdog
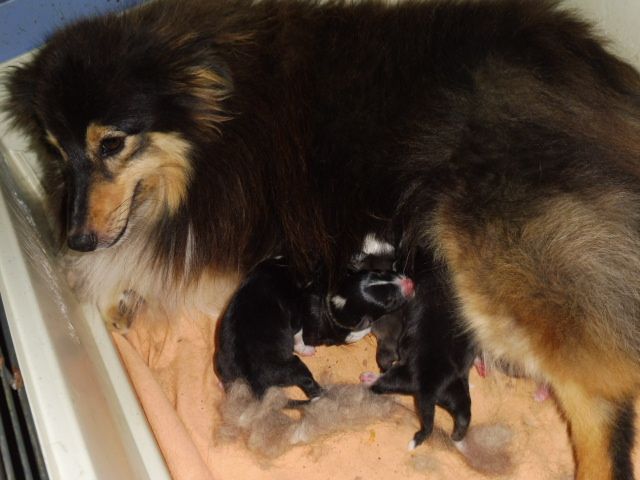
x: 193, y: 137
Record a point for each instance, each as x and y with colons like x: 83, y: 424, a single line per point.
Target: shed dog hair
x: 194, y: 137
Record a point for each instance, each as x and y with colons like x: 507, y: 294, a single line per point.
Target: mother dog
x: 193, y: 137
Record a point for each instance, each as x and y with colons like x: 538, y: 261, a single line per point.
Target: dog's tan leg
x: 591, y: 423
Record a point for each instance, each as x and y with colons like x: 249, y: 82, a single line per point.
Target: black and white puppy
x: 268, y: 316
x: 433, y: 356
x: 378, y: 254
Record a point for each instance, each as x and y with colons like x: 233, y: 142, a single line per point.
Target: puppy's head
x: 118, y: 101
x: 366, y: 295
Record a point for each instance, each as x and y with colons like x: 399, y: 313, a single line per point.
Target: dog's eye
x: 111, y: 145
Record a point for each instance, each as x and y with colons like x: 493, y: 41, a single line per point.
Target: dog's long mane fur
x: 499, y: 135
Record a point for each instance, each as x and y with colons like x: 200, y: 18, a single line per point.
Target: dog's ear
x: 21, y: 84
x: 204, y: 88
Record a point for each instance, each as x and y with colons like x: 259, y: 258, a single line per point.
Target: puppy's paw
x: 368, y: 378
x: 305, y: 350
x: 419, y: 438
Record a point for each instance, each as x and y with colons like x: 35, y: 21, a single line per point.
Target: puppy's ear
x: 21, y: 84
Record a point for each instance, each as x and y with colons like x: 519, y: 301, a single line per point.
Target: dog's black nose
x: 83, y: 242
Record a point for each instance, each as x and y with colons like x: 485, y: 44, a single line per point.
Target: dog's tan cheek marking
x: 164, y: 168
x: 109, y: 203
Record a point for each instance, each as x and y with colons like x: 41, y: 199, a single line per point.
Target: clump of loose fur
x: 267, y: 429
x: 485, y: 448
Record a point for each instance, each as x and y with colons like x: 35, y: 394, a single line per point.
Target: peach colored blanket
x: 170, y: 365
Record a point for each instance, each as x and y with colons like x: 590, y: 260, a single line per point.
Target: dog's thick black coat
x: 255, y: 340
x: 199, y: 136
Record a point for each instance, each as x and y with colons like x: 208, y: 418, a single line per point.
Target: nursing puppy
x: 267, y: 317
x: 190, y: 138
x: 378, y: 254
x: 434, y: 353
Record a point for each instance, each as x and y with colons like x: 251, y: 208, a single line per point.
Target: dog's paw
x: 368, y: 378
x: 119, y: 317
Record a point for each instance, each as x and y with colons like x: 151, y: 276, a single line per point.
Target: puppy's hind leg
x: 400, y: 379
x: 426, y: 409
x: 457, y: 401
x: 299, y: 375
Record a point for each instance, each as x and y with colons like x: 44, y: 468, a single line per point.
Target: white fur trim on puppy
x: 372, y: 245
x: 299, y: 346
x: 359, y: 335
x: 338, y: 301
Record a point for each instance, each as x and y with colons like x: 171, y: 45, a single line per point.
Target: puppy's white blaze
x: 359, y: 335
x: 338, y: 301
x: 384, y: 282
x: 372, y: 245
x: 298, y: 342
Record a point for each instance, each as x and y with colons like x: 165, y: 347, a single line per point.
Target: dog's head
x: 364, y: 296
x: 118, y: 103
